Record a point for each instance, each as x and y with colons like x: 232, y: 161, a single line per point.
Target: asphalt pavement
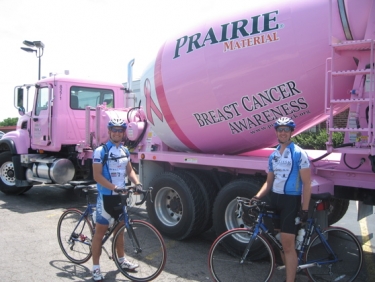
x: 29, y: 250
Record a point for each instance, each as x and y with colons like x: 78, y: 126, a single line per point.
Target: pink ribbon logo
x: 150, y: 104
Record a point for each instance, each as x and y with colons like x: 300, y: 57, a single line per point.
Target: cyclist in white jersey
x: 109, y: 175
x: 289, y: 182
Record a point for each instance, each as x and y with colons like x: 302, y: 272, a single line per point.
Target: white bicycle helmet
x: 117, y: 122
x: 286, y: 122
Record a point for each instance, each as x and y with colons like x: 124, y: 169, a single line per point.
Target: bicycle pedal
x: 280, y: 267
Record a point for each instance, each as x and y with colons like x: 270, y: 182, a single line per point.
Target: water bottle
x: 111, y: 221
x: 278, y: 237
x: 94, y: 217
x: 299, y: 238
x: 297, y: 220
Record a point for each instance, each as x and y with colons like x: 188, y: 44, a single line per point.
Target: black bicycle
x: 143, y: 243
x: 334, y: 254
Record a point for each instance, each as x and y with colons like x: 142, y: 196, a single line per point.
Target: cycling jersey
x: 286, y: 169
x: 114, y: 169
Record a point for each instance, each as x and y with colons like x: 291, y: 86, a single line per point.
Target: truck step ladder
x: 361, y: 98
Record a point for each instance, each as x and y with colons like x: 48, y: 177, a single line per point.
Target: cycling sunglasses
x: 114, y: 130
x: 285, y: 129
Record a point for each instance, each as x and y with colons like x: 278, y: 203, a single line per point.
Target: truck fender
x: 9, y: 156
x: 9, y: 145
x: 8, y: 183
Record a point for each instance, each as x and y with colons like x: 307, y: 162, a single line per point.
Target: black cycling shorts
x: 288, y: 207
x: 110, y: 202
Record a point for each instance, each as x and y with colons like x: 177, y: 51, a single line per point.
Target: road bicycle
x: 143, y: 244
x: 333, y: 254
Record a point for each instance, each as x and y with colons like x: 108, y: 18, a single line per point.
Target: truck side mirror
x: 20, y: 97
x: 21, y: 109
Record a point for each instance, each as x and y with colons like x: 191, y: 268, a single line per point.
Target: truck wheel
x: 224, y: 215
x: 177, y: 206
x: 7, y: 176
x: 337, y: 210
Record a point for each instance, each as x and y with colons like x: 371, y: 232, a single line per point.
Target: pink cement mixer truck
x: 201, y: 127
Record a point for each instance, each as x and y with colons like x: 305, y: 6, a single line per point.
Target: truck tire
x: 209, y: 192
x: 7, y: 176
x: 176, y: 207
x: 337, y: 209
x: 224, y: 216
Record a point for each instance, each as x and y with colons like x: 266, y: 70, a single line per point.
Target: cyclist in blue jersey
x: 289, y: 183
x: 111, y: 164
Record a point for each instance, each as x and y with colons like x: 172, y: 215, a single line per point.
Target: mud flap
x: 364, y: 210
x: 322, y: 219
x: 372, y: 160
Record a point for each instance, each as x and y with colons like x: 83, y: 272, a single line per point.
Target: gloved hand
x: 254, y: 201
x: 138, y: 187
x: 303, y: 216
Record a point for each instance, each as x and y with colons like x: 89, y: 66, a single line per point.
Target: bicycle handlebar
x: 250, y: 204
x: 122, y: 191
x: 133, y: 189
x: 84, y: 189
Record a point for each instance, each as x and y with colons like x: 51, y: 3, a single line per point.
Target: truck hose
x: 326, y: 154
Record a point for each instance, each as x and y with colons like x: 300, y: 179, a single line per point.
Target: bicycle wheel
x: 225, y: 266
x: 345, y: 246
x: 74, y: 234
x: 144, y: 246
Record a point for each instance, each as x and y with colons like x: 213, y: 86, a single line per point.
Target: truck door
x: 41, y: 118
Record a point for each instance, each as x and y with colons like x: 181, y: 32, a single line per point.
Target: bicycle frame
x: 260, y: 227
x: 310, y: 228
x: 126, y: 219
x: 88, y: 211
x: 123, y: 217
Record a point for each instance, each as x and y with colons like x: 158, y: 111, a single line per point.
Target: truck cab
x: 43, y: 149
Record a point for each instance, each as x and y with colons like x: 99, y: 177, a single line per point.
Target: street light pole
x: 38, y: 52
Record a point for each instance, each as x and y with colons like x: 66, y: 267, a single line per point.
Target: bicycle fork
x: 136, y: 248
x: 135, y: 243
x: 247, y: 249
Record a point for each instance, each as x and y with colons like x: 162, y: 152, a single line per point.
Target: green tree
x: 9, y: 121
x: 317, y: 140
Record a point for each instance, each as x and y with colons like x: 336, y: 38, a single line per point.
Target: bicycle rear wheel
x: 225, y: 266
x: 345, y: 246
x: 74, y: 234
x: 144, y: 246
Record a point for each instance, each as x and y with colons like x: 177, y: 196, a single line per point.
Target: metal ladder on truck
x: 360, y: 128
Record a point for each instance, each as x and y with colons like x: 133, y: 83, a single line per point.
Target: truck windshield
x: 81, y: 97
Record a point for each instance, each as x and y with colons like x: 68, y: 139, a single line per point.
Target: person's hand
x: 254, y: 201
x: 303, y: 216
x: 138, y: 187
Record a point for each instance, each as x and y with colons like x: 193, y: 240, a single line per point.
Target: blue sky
x: 91, y: 38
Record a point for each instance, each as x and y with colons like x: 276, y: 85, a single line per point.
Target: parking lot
x: 30, y: 251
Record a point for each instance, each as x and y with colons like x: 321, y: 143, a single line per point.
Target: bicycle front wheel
x: 144, y: 246
x: 345, y: 246
x: 225, y: 266
x: 74, y: 233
